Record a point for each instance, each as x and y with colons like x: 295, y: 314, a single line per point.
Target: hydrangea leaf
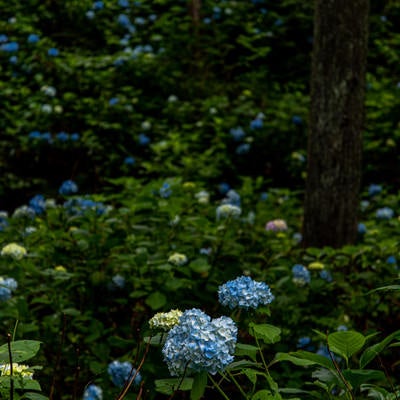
x: 156, y: 300
x: 168, y: 386
x: 371, y: 352
x: 246, y: 350
x: 346, y: 343
x: 199, y: 386
x: 266, y: 395
x: 21, y: 350
x: 268, y: 333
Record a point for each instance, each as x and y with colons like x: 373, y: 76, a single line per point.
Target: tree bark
x: 336, y: 122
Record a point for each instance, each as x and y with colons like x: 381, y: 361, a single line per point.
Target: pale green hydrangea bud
x: 165, y: 321
x: 177, y: 259
x: 18, y: 370
x: 14, y: 250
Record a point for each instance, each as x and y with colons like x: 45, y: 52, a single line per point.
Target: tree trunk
x: 336, y: 122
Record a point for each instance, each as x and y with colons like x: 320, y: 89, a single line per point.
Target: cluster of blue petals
x: 121, y: 372
x: 301, y: 274
x: 93, y: 392
x: 199, y: 343
x: 68, y: 187
x: 7, y: 286
x: 82, y: 205
x: 244, y: 292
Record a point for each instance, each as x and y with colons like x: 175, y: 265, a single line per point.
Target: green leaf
x: 251, y: 374
x: 156, y: 300
x: 19, y: 383
x: 21, y: 350
x: 268, y: 333
x: 316, y: 359
x: 200, y: 265
x: 199, y: 386
x: 168, y: 386
x: 356, y: 377
x: 265, y: 395
x: 371, y: 352
x: 346, y: 343
x: 294, y: 360
x: 246, y: 350
x: 34, y: 396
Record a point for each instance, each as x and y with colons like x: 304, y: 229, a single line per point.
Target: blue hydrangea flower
x: 301, y: 275
x: 46, y: 137
x: 121, y: 372
x: 3, y: 220
x: 199, y: 343
x: 297, y: 237
x: 326, y: 276
x: 165, y: 190
x: 243, y: 148
x: 93, y: 392
x: 139, y: 21
x: 75, y: 137
x: 13, y: 60
x: 68, y: 187
x: 391, y: 260
x: 205, y: 251
x: 237, y: 133
x: 81, y: 205
x: 224, y: 187
x: 129, y: 160
x: 305, y: 343
x: 3, y: 38
x: 297, y: 120
x: 90, y: 14
x: 244, y: 292
x: 34, y: 135
x: 10, y: 47
x: 62, y: 136
x: 7, y: 286
x: 113, y: 101
x: 5, y: 293
x: 257, y: 123
x: 373, y: 189
x: 362, y: 229
x: 143, y: 139
x: 98, y: 5
x: 38, y: 203
x: 123, y: 3
x: 232, y: 198
x: 384, y: 213
x: 124, y: 20
x: 53, y: 52
x: 118, y: 281
x: 33, y: 38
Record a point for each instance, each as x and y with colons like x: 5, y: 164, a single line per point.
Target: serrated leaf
x: 268, y: 333
x: 156, y: 300
x: 246, y: 350
x: 168, y: 386
x: 21, y: 350
x: 346, y: 343
x: 371, y: 352
x: 315, y: 358
x: 358, y: 376
x: 265, y: 395
x: 294, y: 360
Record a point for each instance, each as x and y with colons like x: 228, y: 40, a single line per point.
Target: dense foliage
x: 153, y: 159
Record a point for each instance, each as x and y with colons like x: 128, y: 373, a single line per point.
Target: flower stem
x: 218, y: 387
x: 237, y: 385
